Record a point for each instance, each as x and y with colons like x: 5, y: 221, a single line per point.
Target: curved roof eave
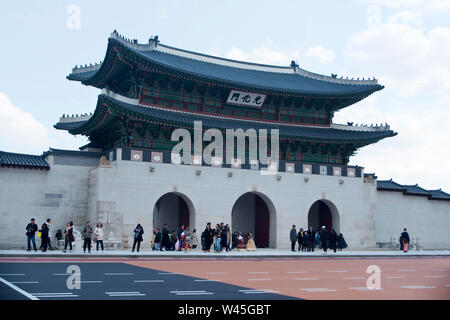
x: 97, y: 75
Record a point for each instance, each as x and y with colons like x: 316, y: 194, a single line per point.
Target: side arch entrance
x: 254, y: 212
x: 323, y: 213
x: 174, y: 209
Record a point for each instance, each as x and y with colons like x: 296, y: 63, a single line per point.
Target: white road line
x: 26, y: 294
x: 406, y: 270
x: 149, y: 280
x: 306, y: 279
x: 119, y: 274
x: 122, y: 292
x: 258, y: 272
x: 89, y: 281
x: 127, y: 295
x: 207, y: 280
x: 169, y: 273
x: 187, y: 291
x: 442, y: 276
x: 355, y: 278
x: 337, y: 271
x: 52, y: 293
x: 58, y: 296
x: 447, y: 285
x: 318, y: 290
x: 298, y: 272
x: 259, y: 279
x: 11, y: 274
x: 216, y: 273
x: 365, y: 289
x: 193, y: 293
x: 417, y: 287
x: 250, y: 291
x: 67, y: 274
x: 19, y: 282
x: 439, y: 270
x: 395, y: 277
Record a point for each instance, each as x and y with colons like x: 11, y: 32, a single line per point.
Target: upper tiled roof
x: 351, y: 134
x: 414, y: 190
x: 72, y: 153
x: 19, y: 160
x: 266, y: 77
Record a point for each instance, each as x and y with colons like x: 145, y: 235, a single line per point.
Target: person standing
x: 228, y: 237
x: 300, y: 239
x: 49, y: 245
x: 180, y: 237
x: 68, y: 236
x: 312, y: 238
x: 158, y: 239
x: 187, y: 239
x: 224, y: 238
x: 207, y: 236
x: 194, y: 239
x: 251, y: 246
x: 405, y: 240
x: 31, y: 228
x: 333, y: 240
x: 165, y: 238
x: 44, y: 236
x: 293, y: 237
x: 87, y: 236
x: 138, y: 232
x: 324, y: 238
x: 98, y: 233
x: 342, y: 244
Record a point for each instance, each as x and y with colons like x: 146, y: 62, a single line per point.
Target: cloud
x: 20, y: 132
x: 322, y: 54
x: 163, y: 14
x: 410, y: 60
x: 264, y: 54
x: 422, y: 5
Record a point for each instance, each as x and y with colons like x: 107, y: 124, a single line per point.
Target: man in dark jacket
x: 208, y: 236
x: 312, y: 238
x: 87, y: 236
x: 293, y: 237
x: 31, y: 231
x: 324, y: 238
x: 165, y: 238
x: 333, y: 240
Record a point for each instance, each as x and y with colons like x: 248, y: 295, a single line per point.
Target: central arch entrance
x: 255, y: 213
x: 323, y: 213
x: 174, y: 209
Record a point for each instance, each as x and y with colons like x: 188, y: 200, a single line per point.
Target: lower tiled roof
x: 19, y: 160
x: 413, y: 190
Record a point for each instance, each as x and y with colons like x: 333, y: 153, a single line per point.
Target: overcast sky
x: 404, y: 44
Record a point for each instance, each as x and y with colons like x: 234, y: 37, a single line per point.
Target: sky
x: 404, y: 44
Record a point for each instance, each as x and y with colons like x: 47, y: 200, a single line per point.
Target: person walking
x: 404, y: 237
x: 98, y: 233
x: 44, y: 236
x: 68, y: 236
x: 333, y: 240
x: 293, y: 237
x: 324, y: 236
x: 87, y: 237
x: 180, y: 237
x: 300, y: 239
x: 138, y: 232
x: 194, y: 239
x: 165, y: 243
x: 187, y: 239
x: 31, y: 228
x: 312, y: 238
x: 342, y: 244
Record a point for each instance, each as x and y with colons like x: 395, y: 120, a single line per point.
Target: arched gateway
x: 174, y: 209
x: 254, y: 212
x: 323, y: 213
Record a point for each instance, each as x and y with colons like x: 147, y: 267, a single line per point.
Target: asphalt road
x: 104, y: 281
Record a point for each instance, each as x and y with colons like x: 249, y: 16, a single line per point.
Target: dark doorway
x: 251, y: 214
x: 320, y: 215
x: 172, y: 209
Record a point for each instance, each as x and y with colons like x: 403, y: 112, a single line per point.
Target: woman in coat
x: 138, y: 232
x: 98, y: 234
x: 251, y: 243
x: 333, y: 240
x: 194, y: 239
x: 68, y: 234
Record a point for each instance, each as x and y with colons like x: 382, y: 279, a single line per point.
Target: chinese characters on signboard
x: 246, y: 99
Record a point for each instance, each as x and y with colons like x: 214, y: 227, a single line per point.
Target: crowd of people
x: 218, y: 239
x: 309, y: 239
